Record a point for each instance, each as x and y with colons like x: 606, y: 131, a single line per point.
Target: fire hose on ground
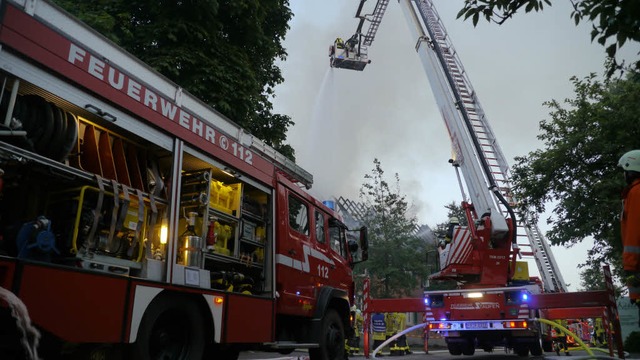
x: 545, y: 321
x: 389, y: 340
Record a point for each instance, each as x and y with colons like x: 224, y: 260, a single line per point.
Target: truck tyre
x: 331, y: 338
x: 521, y: 350
x: 468, y: 348
x: 171, y: 328
x: 535, y: 348
x: 454, y: 348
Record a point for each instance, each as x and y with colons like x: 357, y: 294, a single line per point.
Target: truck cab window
x: 320, y: 236
x: 336, y: 239
x: 298, y: 215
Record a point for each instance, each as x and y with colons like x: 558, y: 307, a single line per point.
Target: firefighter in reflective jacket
x: 598, y: 338
x: 392, y: 329
x: 560, y: 338
x: 630, y: 223
x: 453, y: 222
x: 352, y: 345
x: 399, y: 346
x: 379, y: 329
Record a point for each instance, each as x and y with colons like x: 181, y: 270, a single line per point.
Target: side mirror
x: 353, y: 246
x: 359, y: 250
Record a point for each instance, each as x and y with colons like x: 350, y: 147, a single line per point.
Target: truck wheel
x: 331, y: 340
x: 454, y: 348
x: 535, y: 348
x: 521, y: 350
x: 468, y: 348
x: 171, y: 328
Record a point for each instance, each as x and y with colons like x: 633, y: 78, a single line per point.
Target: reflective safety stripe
x: 304, y: 266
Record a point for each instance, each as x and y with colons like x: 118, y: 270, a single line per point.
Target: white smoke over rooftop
x: 345, y: 119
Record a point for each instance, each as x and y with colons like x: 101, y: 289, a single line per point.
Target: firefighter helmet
x: 630, y: 161
x: 454, y: 220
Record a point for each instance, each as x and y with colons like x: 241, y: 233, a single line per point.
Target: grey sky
x: 345, y: 119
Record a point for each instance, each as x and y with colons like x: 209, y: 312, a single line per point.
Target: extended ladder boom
x: 352, y: 54
x: 375, y: 18
x: 478, y: 154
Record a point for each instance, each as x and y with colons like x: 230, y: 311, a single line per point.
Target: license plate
x: 477, y: 325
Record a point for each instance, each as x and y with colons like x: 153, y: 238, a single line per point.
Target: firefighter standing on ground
x: 400, y: 345
x: 352, y: 345
x: 379, y: 329
x: 392, y: 329
x: 560, y: 338
x: 630, y: 223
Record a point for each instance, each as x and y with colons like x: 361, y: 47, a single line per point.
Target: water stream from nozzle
x: 322, y: 133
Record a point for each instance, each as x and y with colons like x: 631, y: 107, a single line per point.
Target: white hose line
x: 389, y: 340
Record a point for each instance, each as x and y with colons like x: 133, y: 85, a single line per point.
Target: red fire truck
x: 495, y: 302
x: 135, y: 218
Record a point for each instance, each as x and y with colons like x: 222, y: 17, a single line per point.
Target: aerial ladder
x: 477, y: 154
x: 496, y: 229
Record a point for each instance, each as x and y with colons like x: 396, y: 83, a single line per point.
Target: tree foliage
x: 221, y: 51
x: 453, y: 210
x: 396, y: 262
x: 577, y: 169
x: 592, y: 279
x: 433, y: 255
x: 614, y: 22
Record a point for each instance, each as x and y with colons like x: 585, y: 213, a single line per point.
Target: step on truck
x: 135, y: 219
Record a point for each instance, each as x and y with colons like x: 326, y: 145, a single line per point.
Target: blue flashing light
x: 525, y: 297
x: 426, y: 301
x: 297, y: 293
x: 330, y: 204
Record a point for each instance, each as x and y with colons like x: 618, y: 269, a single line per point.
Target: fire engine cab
x: 135, y: 218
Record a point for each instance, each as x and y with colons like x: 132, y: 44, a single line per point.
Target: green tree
x: 614, y: 22
x: 433, y: 255
x: 396, y: 262
x: 224, y: 52
x: 577, y: 169
x: 453, y: 210
x: 592, y: 278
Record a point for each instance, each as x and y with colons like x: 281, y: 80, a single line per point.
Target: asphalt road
x: 433, y: 354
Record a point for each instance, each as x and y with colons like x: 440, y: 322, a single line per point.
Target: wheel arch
x: 145, y: 296
x: 331, y: 298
